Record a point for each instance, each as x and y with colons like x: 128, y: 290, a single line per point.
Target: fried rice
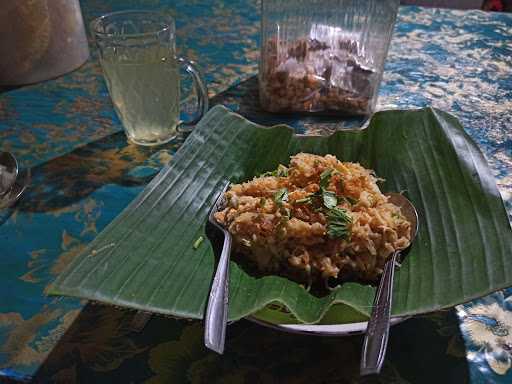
x: 317, y: 219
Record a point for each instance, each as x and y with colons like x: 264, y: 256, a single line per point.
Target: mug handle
x: 201, y: 91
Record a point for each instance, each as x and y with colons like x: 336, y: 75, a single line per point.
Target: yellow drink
x: 146, y: 96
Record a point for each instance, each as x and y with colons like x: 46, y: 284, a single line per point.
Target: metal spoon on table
x: 12, y: 195
x: 216, y: 317
x: 377, y: 332
x: 8, y: 172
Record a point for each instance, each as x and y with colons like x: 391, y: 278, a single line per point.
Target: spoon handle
x: 377, y: 333
x: 217, y: 310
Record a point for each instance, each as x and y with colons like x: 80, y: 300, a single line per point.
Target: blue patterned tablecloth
x: 85, y: 173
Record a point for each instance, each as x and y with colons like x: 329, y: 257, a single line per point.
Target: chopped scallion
x: 198, y: 242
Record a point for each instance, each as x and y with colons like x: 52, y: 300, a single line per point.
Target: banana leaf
x: 146, y: 258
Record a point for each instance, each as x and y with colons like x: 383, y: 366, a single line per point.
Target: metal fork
x: 217, y: 310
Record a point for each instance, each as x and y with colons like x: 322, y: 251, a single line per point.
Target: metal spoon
x: 13, y: 194
x: 8, y: 172
x: 377, y: 332
x: 216, y: 317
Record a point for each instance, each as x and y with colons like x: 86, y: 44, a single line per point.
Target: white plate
x: 323, y: 330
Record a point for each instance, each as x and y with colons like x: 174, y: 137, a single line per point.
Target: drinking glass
x: 324, y: 56
x: 138, y: 56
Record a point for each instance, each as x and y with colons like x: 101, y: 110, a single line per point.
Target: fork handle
x: 377, y: 333
x: 217, y: 310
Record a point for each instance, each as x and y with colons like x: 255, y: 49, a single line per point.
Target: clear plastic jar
x: 324, y: 56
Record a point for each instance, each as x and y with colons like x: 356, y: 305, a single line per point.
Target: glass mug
x: 138, y: 56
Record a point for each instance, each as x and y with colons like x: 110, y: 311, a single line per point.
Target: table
x: 85, y: 173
